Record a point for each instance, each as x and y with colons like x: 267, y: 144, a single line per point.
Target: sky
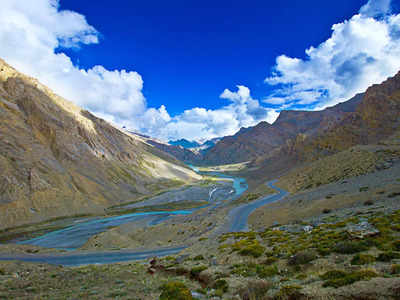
x: 201, y: 69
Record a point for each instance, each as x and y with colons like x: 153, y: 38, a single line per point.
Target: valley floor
x: 335, y: 241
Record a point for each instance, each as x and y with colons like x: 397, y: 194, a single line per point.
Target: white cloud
x: 376, y: 8
x: 360, y: 52
x: 32, y: 33
x: 200, y: 123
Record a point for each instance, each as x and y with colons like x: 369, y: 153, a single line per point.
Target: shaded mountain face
x: 58, y: 160
x: 185, y: 155
x: 255, y: 142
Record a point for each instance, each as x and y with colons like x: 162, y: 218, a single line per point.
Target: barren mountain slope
x: 255, y: 142
x: 58, y: 160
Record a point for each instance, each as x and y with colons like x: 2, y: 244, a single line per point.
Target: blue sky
x: 201, y: 69
x: 188, y: 52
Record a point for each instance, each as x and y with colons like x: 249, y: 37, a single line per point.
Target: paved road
x: 238, y: 217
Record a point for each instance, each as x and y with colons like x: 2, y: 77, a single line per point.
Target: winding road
x: 72, y: 237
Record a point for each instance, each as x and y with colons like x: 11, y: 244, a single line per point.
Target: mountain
x: 59, y: 160
x: 368, y: 119
x: 210, y: 143
x: 255, y: 142
x: 184, y: 143
x: 183, y: 150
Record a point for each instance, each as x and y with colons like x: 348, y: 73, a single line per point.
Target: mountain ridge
x: 59, y: 160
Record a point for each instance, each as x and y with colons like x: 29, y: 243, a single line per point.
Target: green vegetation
x: 289, y: 292
x: 194, y: 272
x: 388, y: 256
x: 252, y: 269
x: 175, y: 291
x: 302, y: 258
x: 351, y: 247
x: 362, y: 259
x: 395, y: 270
x: 340, y: 278
x: 221, y: 285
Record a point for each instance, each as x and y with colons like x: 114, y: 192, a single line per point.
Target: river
x: 75, y: 236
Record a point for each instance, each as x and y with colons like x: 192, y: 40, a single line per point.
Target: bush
x: 199, y: 257
x: 175, y: 291
x: 395, y: 269
x: 255, y: 290
x: 290, y: 292
x: 266, y: 271
x: 340, y: 278
x: 326, y: 211
x: 255, y: 250
x: 334, y: 274
x: 221, y: 285
x: 396, y: 245
x: 362, y: 259
x: 302, y: 258
x: 350, y: 247
x: 364, y: 189
x: 194, y: 272
x: 270, y: 260
x: 387, y: 256
x: 369, y: 203
x: 394, y: 194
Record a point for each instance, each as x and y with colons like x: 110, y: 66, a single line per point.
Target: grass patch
x: 175, y: 291
x: 362, y: 259
x: 337, y: 278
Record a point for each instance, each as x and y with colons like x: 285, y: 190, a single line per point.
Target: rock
x: 308, y: 228
x: 180, y: 259
x: 362, y: 230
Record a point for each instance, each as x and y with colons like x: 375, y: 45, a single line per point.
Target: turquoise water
x: 76, y: 236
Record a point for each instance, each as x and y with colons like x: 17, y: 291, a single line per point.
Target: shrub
x: 396, y: 245
x: 387, y: 256
x: 326, y: 211
x: 334, y: 274
x: 289, y: 292
x: 394, y: 194
x: 362, y: 259
x: 255, y: 290
x: 266, y: 271
x: 270, y: 260
x: 364, y: 189
x: 302, y: 258
x: 221, y: 285
x: 199, y: 257
x: 350, y: 247
x: 395, y: 269
x: 343, y: 278
x: 195, y: 271
x: 255, y: 250
x: 175, y: 291
x: 369, y: 203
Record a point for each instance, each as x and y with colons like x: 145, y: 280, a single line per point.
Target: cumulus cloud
x: 376, y: 8
x: 241, y: 111
x: 360, y: 52
x: 32, y: 37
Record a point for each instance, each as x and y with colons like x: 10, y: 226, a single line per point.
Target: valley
x: 304, y: 208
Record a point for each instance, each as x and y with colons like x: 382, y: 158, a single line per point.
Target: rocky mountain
x: 255, y: 142
x: 178, y: 152
x: 368, y: 119
x: 59, y: 160
x: 184, y: 143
